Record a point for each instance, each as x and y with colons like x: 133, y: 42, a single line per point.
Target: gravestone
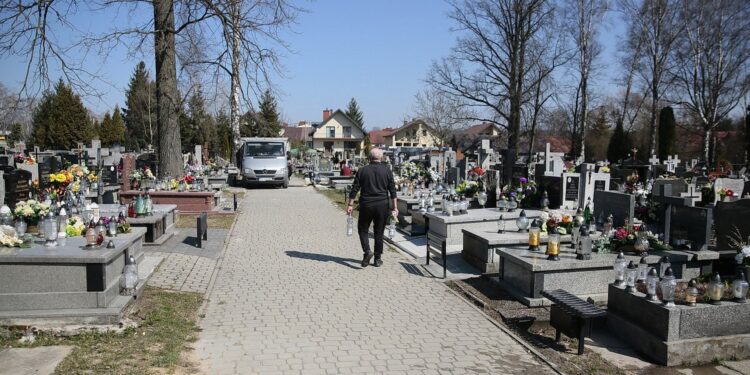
x: 451, y: 175
x: 553, y: 162
x: 16, y: 186
x: 693, y: 194
x: 666, y: 200
x: 678, y: 186
x: 620, y: 205
x: 553, y: 186
x: 672, y: 162
x: 128, y: 166
x: 571, y: 190
x: 147, y: 160
x: 735, y: 184
x: 689, y: 223
x: 590, y: 182
x: 732, y: 223
x: 198, y: 155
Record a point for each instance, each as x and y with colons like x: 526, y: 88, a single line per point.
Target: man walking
x: 378, y: 188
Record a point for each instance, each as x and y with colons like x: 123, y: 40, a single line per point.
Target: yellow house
x: 338, y: 135
x: 413, y: 134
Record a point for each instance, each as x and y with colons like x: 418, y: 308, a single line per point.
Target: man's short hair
x: 376, y: 154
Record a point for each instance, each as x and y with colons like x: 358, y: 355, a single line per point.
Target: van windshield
x: 264, y: 149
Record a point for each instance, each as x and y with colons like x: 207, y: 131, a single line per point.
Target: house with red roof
x: 338, y: 135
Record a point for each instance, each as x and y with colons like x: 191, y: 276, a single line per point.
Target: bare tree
x: 711, y: 63
x: 584, y: 19
x: 489, y: 68
x: 654, y: 26
x: 444, y: 114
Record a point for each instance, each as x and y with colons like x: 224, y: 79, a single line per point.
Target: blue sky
x: 375, y: 51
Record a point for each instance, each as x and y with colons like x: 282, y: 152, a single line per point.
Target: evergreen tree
x: 223, y: 141
x: 60, y: 121
x: 597, y: 135
x: 368, y: 144
x: 352, y: 110
x: 197, y: 127
x: 140, y: 110
x: 16, y: 135
x: 264, y: 122
x: 667, y: 127
x: 619, y: 144
x: 112, y: 129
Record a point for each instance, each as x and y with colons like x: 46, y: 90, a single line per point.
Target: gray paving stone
x: 289, y: 280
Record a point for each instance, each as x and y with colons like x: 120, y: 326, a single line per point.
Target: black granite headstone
x: 677, y: 185
x: 620, y: 205
x: 689, y: 223
x: 732, y: 223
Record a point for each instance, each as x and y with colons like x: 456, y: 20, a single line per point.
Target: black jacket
x: 375, y: 180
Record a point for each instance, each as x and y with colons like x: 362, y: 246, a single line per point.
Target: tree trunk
x: 234, y: 116
x: 167, y: 97
x: 652, y: 122
x: 707, y: 147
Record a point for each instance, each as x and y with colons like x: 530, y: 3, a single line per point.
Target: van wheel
x: 285, y: 185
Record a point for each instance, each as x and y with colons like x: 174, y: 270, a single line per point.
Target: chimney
x: 326, y: 114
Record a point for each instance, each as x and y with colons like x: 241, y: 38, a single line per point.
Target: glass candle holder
x: 668, y: 287
x: 501, y: 225
x: 739, y: 288
x: 534, y: 237
x: 642, y: 269
x: 522, y: 222
x: 715, y: 289
x: 619, y: 267
x: 502, y: 204
x: 652, y: 279
x: 691, y: 294
x: 512, y: 205
x: 91, y: 237
x: 21, y: 227
x: 553, y: 246
x: 631, y: 273
x: 585, y: 246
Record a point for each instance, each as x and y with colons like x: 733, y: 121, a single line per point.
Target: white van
x: 263, y: 161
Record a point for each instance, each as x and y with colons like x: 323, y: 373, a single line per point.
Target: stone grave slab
x: 442, y: 227
x: 620, y: 205
x: 571, y: 190
x: 159, y: 227
x: 80, y: 285
x: 186, y: 201
x: 679, y: 335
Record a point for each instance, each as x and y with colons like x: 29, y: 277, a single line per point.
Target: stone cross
x: 654, y: 160
x: 691, y: 194
x: 693, y: 163
x: 672, y: 162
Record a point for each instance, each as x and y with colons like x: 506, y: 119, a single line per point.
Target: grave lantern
x: 21, y: 227
x: 501, y: 225
x: 112, y: 227
x: 608, y: 225
x: 664, y: 263
x: 739, y: 288
x: 101, y: 229
x: 553, y: 246
x: 91, y: 237
x: 5, y: 216
x: 512, y: 205
x: 140, y: 206
x: 715, y: 289
x: 502, y: 204
x: 482, y: 198
x: 448, y: 206
x: 642, y: 269
x: 579, y: 217
x: 641, y: 242
x: 668, y: 287
x: 651, y: 280
x: 62, y: 219
x: 585, y: 244
x: 50, y: 230
x: 535, y: 233
x: 522, y: 221
x: 619, y: 268
x: 630, y: 275
x: 691, y: 294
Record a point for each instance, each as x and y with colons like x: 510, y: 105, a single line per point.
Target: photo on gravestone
x: 732, y: 224
x: 689, y: 227
x: 571, y: 189
x: 620, y: 205
x: 600, y: 185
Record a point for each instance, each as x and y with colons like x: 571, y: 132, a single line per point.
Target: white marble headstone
x: 735, y: 184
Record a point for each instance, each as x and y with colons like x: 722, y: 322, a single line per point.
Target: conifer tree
x: 60, y: 121
x: 619, y: 144
x: 667, y: 127
x: 354, y: 113
x: 264, y: 122
x: 112, y: 129
x: 139, y: 113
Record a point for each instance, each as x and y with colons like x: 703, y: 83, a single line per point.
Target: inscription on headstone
x: 690, y: 223
x: 620, y: 205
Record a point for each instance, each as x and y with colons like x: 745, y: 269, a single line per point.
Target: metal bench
x: 437, y: 248
x: 571, y: 315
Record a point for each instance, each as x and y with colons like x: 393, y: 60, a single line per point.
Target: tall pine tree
x: 112, y: 129
x: 60, y: 121
x: 196, y: 127
x: 140, y: 110
x: 264, y: 122
x: 354, y: 113
x: 223, y: 141
x: 619, y: 144
x: 667, y: 125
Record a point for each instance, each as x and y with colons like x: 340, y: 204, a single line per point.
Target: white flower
x: 544, y: 216
x: 746, y: 251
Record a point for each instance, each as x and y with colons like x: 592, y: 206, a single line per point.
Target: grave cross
x: 654, y: 160
x: 672, y: 162
x: 691, y: 194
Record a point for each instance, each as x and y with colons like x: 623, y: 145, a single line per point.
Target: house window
x: 330, y: 132
x: 398, y: 144
x: 347, y: 131
x: 328, y: 146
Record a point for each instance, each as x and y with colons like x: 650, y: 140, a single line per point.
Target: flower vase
x: 135, y: 185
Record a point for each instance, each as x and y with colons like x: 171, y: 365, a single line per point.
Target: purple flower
x: 523, y: 180
x: 512, y: 194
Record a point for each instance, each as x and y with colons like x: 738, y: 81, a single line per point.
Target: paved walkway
x: 289, y: 297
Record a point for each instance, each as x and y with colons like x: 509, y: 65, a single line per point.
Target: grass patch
x: 223, y: 221
x: 166, y: 325
x: 337, y: 198
x: 228, y: 194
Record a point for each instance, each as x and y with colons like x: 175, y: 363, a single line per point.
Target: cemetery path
x: 289, y: 297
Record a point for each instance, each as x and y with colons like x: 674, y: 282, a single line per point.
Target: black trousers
x: 377, y: 214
